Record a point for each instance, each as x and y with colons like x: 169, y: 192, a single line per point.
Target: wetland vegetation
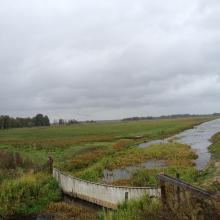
x: 86, y: 150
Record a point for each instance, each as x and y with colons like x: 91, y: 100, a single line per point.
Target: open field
x: 86, y: 150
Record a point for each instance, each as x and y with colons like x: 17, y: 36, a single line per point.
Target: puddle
x: 126, y: 173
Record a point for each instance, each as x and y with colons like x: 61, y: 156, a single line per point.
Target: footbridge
x: 104, y: 195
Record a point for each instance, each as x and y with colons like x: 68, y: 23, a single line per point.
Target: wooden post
x: 50, y: 164
x: 178, y: 190
x: 163, y: 194
x: 126, y: 196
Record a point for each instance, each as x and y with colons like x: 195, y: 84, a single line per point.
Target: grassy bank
x: 210, y: 177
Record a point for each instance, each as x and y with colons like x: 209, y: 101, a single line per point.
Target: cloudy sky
x: 109, y: 59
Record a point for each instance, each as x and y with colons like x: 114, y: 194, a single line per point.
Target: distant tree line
x: 7, y: 122
x: 169, y: 117
x: 65, y: 122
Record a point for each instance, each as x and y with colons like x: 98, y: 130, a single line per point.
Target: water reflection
x: 198, y: 138
x: 126, y: 173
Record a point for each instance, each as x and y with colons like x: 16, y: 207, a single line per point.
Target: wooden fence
x: 186, y: 201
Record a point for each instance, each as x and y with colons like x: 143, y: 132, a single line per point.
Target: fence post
x: 126, y: 196
x: 50, y: 164
x: 178, y: 190
x: 163, y: 193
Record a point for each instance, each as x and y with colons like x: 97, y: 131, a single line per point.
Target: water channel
x: 198, y: 138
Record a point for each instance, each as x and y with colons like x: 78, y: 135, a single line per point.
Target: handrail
x: 183, y: 184
x: 102, y: 184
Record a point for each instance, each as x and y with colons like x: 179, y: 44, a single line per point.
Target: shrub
x: 145, y: 208
x: 27, y: 194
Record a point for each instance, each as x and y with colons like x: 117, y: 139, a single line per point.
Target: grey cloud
x: 109, y: 59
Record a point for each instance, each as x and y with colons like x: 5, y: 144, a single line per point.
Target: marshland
x: 88, y: 151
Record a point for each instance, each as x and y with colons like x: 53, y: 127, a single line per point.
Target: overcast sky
x: 93, y: 59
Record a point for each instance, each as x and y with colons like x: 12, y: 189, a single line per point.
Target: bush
x: 27, y: 194
x: 145, y: 177
x: 145, y: 208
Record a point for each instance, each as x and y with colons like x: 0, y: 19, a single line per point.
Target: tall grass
x: 210, y: 176
x: 145, y: 208
x: 68, y: 211
x: 27, y: 194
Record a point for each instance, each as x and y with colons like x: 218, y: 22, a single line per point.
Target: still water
x: 198, y: 138
x: 126, y: 173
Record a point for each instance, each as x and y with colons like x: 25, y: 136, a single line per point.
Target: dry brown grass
x: 88, y: 158
x: 121, y: 144
x: 51, y: 143
x: 121, y: 182
x: 68, y: 211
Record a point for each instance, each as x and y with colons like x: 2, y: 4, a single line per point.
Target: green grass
x: 114, y: 130
x: 73, y: 147
x: 85, y: 150
x: 214, y: 149
x: 145, y: 208
x: 27, y: 194
x: 207, y: 176
x: 176, y: 156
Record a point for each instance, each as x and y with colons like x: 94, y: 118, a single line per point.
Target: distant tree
x: 46, y: 121
x: 1, y: 122
x: 5, y: 122
x: 38, y: 120
x: 41, y: 120
x: 10, y: 122
x: 61, y: 121
x: 72, y: 121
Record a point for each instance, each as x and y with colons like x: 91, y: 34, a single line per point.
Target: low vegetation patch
x: 86, y: 159
x: 174, y: 153
x: 67, y: 211
x: 145, y: 208
x: 144, y: 177
x: 27, y: 194
x: 214, y: 149
x: 210, y: 177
